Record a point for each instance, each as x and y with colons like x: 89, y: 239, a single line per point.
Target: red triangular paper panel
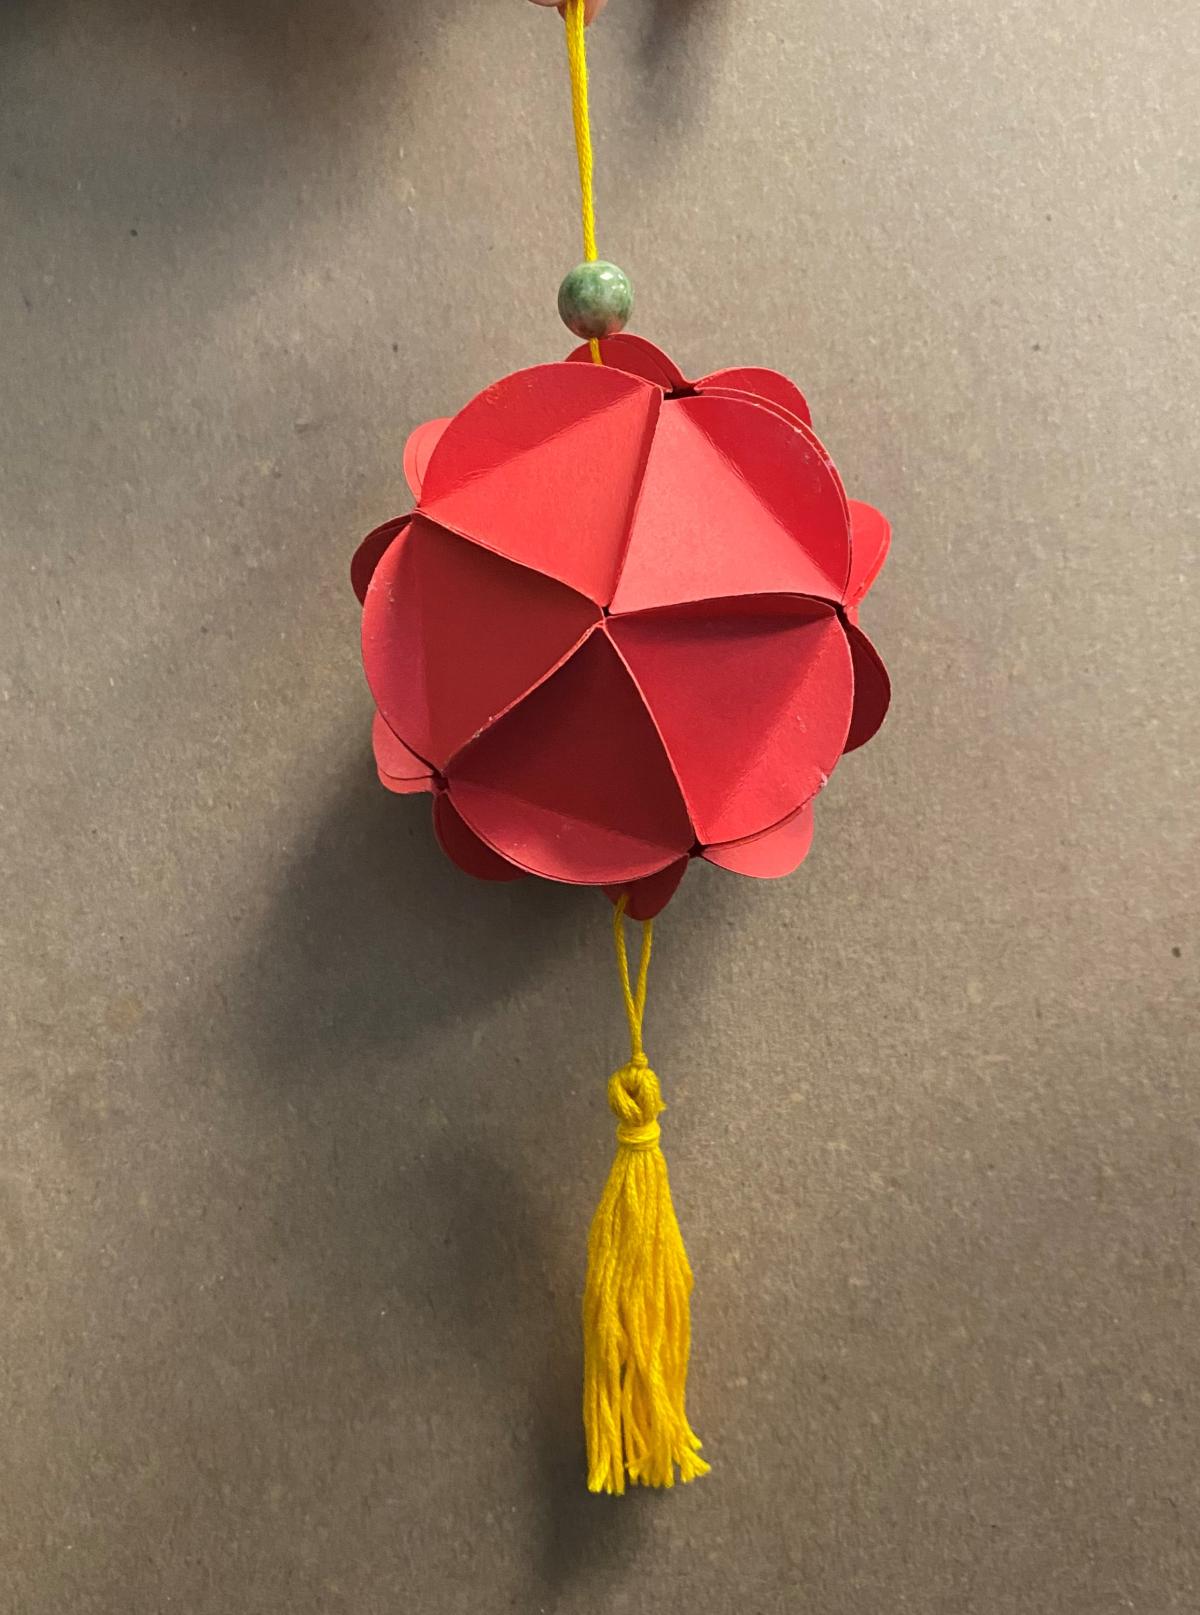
x: 735, y: 501
x: 574, y: 783
x: 417, y: 451
x: 872, y: 689
x: 650, y: 896
x: 776, y: 852
x: 870, y: 538
x: 636, y: 357
x: 765, y: 384
x: 544, y: 468
x: 399, y: 769
x: 752, y: 699
x: 367, y: 555
x: 464, y: 848
x: 453, y: 635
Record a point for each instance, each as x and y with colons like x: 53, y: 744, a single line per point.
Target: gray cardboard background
x: 300, y: 1130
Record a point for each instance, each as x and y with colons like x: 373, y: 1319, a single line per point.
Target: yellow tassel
x: 636, y: 1316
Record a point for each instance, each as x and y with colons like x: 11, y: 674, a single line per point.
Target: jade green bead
x: 595, y: 299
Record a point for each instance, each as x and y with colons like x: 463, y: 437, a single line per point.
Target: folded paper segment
x: 752, y: 698
x: 735, y: 500
x: 636, y: 357
x: 573, y: 783
x: 453, y: 635
x: 767, y: 385
x: 776, y: 852
x: 464, y: 848
x: 753, y: 398
x: 368, y: 554
x: 544, y: 468
x: 417, y: 451
x: 819, y: 449
x: 649, y: 896
x: 399, y: 769
x: 872, y: 689
x: 870, y: 537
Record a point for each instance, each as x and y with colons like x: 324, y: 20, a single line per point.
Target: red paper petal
x: 735, y: 500
x: 777, y: 851
x: 752, y: 398
x: 453, y: 635
x: 752, y: 698
x: 768, y: 385
x: 573, y: 783
x: 464, y: 848
x: 650, y: 896
x: 367, y: 555
x: 421, y: 444
x: 872, y: 689
x: 544, y: 468
x: 399, y: 769
x: 636, y: 357
x: 405, y: 787
x: 870, y: 539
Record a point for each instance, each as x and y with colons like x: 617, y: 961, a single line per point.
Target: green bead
x: 595, y: 299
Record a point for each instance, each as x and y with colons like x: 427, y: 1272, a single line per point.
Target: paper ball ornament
x: 620, y: 629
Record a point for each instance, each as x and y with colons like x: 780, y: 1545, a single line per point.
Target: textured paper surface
x: 301, y: 1129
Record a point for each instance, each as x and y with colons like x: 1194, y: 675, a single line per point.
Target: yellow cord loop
x: 577, y: 64
x: 636, y: 1310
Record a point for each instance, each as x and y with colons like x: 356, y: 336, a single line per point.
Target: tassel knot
x: 636, y: 1315
x: 635, y: 1100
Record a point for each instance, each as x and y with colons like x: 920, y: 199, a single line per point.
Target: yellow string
x: 577, y: 63
x: 635, y: 996
x: 636, y: 1308
x: 636, y: 1301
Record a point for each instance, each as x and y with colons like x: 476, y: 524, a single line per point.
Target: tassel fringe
x: 636, y: 1308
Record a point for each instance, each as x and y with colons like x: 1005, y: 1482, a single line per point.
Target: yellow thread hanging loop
x: 577, y: 66
x: 636, y: 1310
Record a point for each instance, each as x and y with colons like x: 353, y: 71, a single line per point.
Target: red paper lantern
x: 620, y: 628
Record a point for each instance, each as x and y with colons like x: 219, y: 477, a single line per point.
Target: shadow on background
x: 375, y: 952
x: 376, y: 939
